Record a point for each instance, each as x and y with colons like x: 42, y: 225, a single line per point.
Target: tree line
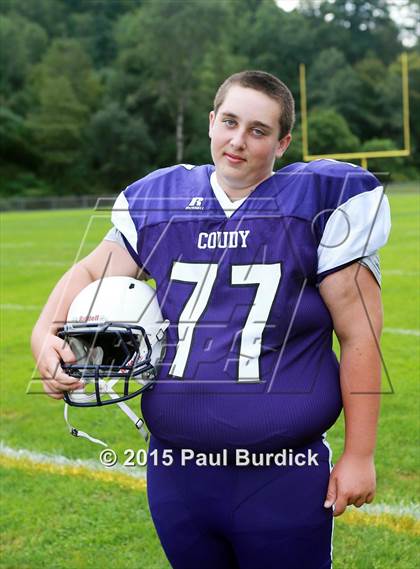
x: 95, y: 94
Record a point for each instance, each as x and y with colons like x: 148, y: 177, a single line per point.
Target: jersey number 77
x: 267, y: 279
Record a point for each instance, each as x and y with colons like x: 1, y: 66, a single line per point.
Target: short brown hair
x: 268, y: 84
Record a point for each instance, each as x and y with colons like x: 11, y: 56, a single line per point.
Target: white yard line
x: 26, y: 264
x: 402, y: 331
x: 59, y: 460
x: 12, y: 245
x: 400, y: 273
x: 20, y: 307
x: 412, y: 509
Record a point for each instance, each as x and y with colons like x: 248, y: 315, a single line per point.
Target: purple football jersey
x: 249, y: 360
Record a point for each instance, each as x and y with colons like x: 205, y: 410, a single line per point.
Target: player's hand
x: 54, y: 380
x: 352, y: 481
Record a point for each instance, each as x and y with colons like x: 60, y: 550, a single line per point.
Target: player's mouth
x: 233, y: 158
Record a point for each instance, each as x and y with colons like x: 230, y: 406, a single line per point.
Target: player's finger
x: 63, y: 382
x: 359, y: 501
x: 54, y: 369
x: 331, y: 493
x: 340, y: 505
x: 50, y: 391
x: 67, y: 385
x: 59, y: 387
x: 49, y: 384
x: 65, y: 352
x: 370, y: 497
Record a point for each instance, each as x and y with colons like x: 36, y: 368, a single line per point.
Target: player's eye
x: 229, y: 122
x: 258, y: 132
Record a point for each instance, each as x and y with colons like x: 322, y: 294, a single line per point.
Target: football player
x: 254, y: 269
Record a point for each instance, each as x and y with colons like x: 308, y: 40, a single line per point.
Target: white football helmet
x: 116, y: 331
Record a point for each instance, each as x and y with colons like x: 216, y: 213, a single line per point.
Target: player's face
x: 245, y: 139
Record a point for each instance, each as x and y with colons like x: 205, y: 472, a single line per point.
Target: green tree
x: 67, y: 92
x: 355, y: 27
x: 390, y: 108
x: 49, y: 15
x: 67, y: 58
x: 92, y: 23
x: 333, y: 84
x: 99, y: 91
x: 294, y: 152
x: 414, y: 101
x: 15, y: 143
x: 57, y: 124
x: 376, y: 99
x: 164, y: 44
x: 414, y: 70
x: 393, y: 166
x: 276, y: 41
x: 120, y: 147
x: 22, y: 44
x: 329, y: 133
x: 218, y: 63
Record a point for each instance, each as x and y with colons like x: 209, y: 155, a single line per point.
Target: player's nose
x: 238, y: 140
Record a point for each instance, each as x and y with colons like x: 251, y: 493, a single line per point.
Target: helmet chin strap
x: 138, y: 421
x: 88, y: 357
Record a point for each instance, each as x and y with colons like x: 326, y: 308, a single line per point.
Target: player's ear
x: 212, y: 116
x: 283, y: 144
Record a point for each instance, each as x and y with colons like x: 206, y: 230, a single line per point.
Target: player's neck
x: 235, y: 193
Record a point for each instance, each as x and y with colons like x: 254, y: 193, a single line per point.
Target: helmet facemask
x: 111, y: 356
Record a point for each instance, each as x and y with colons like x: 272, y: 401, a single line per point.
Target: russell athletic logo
x: 196, y: 203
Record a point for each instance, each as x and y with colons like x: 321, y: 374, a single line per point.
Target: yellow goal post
x: 363, y: 156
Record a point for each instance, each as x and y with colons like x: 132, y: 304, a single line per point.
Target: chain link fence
x: 54, y: 202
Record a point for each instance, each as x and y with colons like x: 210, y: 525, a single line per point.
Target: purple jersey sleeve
x: 354, y: 218
x: 145, y: 202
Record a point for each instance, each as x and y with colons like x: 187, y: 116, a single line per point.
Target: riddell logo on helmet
x: 89, y: 318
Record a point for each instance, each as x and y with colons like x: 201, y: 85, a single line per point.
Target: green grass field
x: 62, y: 517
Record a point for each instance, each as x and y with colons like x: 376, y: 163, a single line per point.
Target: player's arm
x: 356, y: 310
x: 108, y: 259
